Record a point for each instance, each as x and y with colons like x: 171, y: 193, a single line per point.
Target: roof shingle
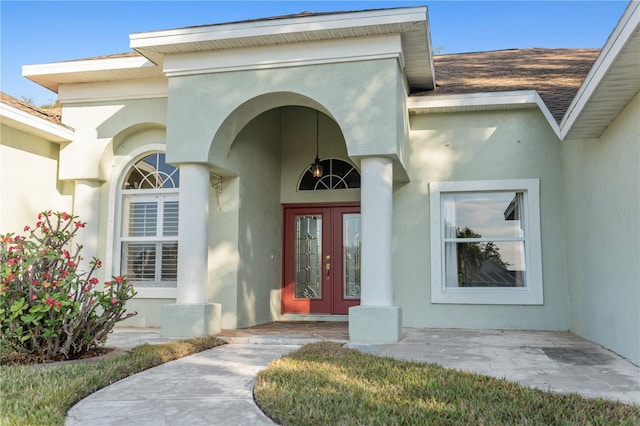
x: 555, y: 73
x: 52, y: 115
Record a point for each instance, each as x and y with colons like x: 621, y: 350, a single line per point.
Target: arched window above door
x: 338, y: 174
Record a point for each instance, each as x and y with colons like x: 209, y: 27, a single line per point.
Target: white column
x: 193, y: 234
x: 86, y: 205
x: 376, y: 206
x: 376, y: 319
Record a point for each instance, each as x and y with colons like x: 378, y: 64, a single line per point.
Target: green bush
x: 48, y: 307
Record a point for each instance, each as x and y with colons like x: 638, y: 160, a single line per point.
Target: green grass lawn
x: 42, y: 394
x: 326, y: 384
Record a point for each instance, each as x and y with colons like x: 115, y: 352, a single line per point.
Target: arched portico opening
x: 261, y: 171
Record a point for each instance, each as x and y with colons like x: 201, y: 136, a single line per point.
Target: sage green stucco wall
x: 478, y: 146
x: 29, y: 180
x: 360, y: 96
x: 602, y: 187
x: 256, y: 155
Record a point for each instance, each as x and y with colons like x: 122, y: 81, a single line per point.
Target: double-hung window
x: 485, y: 242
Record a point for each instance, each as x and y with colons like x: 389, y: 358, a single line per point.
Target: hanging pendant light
x: 316, y: 167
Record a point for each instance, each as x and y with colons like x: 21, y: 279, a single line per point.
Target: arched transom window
x: 149, y: 223
x: 337, y: 174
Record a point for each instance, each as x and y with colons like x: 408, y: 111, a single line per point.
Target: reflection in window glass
x: 484, y: 239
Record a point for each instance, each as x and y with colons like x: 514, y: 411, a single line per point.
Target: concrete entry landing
x: 289, y: 332
x: 554, y: 361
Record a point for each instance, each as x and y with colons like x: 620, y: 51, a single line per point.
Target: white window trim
x: 532, y: 294
x: 114, y: 222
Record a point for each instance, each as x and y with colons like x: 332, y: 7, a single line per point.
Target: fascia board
x: 480, y: 100
x: 85, y: 66
x: 326, y: 51
x: 628, y: 23
x: 26, y: 122
x: 276, y: 26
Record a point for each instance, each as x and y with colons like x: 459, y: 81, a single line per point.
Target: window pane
x: 486, y: 264
x: 351, y: 256
x: 483, y: 215
x: 139, y: 261
x: 308, y: 252
x: 170, y: 219
x: 169, y: 269
x: 143, y: 218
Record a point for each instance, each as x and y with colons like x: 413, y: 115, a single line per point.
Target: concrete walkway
x: 214, y: 387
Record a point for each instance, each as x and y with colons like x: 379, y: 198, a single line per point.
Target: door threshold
x: 313, y: 317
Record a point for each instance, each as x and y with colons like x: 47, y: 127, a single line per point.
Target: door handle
x: 328, y: 268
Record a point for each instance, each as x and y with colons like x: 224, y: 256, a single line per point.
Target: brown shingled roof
x: 52, y: 115
x: 555, y: 73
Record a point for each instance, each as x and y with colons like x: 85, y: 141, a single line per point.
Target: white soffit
x: 130, y: 67
x: 614, y: 79
x: 411, y: 23
x: 28, y: 123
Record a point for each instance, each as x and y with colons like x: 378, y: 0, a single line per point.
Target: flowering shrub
x: 49, y: 308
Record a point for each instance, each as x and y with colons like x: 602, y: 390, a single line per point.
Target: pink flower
x: 71, y: 263
x: 11, y: 261
x: 66, y: 253
x: 39, y: 216
x: 38, y: 224
x: 91, y: 300
x: 65, y: 215
x: 93, y: 280
x: 119, y: 279
x: 56, y: 303
x: 26, y: 228
x: 34, y: 297
x: 49, y: 301
x: 79, y: 224
x: 114, y: 301
x: 98, y: 263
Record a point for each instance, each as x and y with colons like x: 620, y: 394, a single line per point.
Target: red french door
x: 322, y: 259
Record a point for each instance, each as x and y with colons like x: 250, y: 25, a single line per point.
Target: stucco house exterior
x: 494, y: 190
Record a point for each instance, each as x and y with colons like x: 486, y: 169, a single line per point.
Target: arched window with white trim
x: 148, y: 236
x: 338, y: 174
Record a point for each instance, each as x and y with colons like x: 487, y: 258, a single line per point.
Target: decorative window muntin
x: 152, y: 172
x: 338, y: 174
x: 485, y: 239
x: 149, y: 227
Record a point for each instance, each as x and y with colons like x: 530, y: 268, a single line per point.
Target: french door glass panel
x: 351, y: 255
x: 308, y: 257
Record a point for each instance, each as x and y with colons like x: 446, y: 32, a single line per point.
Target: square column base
x: 378, y: 324
x: 191, y: 320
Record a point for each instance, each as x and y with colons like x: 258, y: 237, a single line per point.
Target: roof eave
x: 52, y: 75
x: 154, y: 45
x: 28, y: 123
x: 624, y: 40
